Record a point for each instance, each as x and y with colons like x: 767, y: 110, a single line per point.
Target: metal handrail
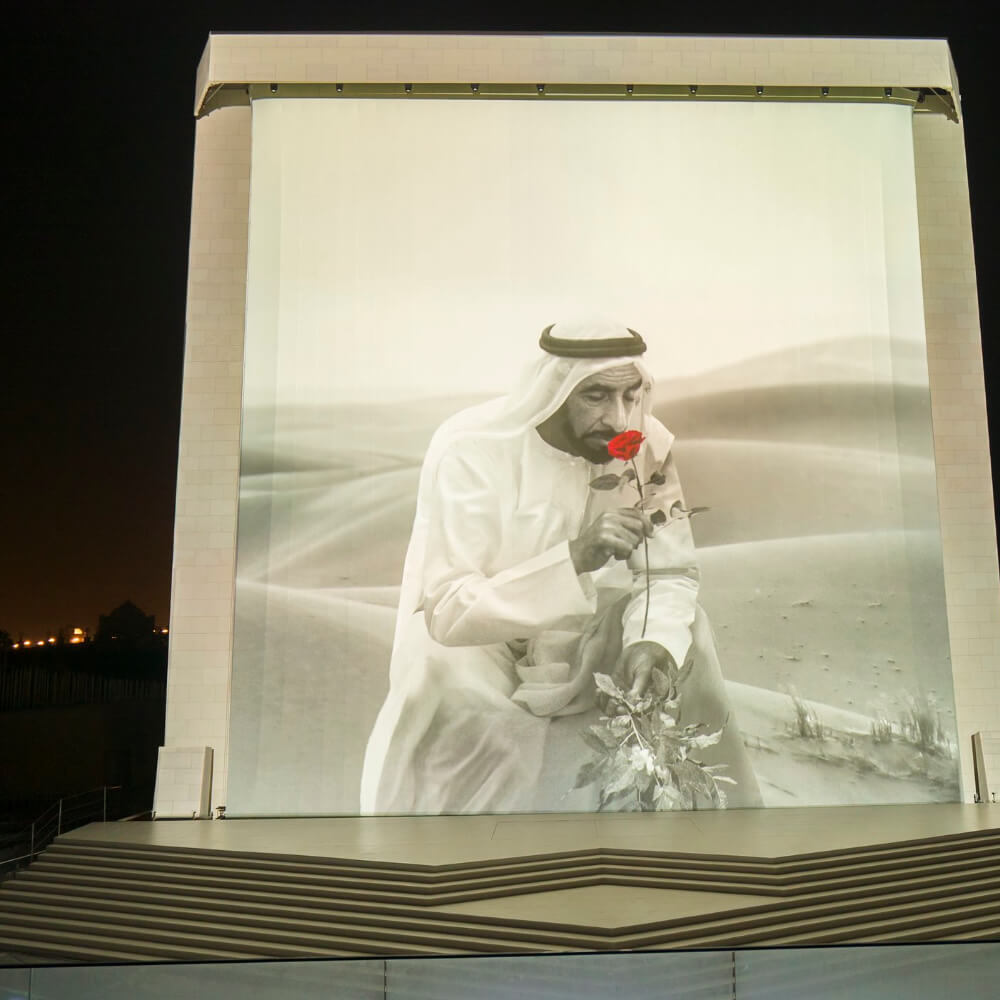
x: 67, y: 814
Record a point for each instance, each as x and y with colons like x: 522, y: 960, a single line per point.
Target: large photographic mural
x: 680, y: 550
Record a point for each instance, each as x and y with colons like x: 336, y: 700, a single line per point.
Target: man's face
x: 600, y: 407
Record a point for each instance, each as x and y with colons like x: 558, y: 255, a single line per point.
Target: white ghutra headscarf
x: 543, y: 387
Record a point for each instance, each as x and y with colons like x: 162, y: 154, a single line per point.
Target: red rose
x: 626, y: 445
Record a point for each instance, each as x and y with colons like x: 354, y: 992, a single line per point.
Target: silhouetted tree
x: 126, y: 625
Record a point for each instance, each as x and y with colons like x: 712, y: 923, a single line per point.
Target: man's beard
x: 594, y: 448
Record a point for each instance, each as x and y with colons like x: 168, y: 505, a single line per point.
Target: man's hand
x: 637, y: 665
x: 615, y: 533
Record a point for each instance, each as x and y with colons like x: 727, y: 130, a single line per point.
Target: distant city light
x: 74, y: 636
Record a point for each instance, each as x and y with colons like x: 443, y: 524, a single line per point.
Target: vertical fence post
x: 32, y: 841
x: 59, y: 823
x: 105, y: 804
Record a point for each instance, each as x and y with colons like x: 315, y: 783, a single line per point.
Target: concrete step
x: 398, y: 879
x: 817, y: 925
x: 275, y: 937
x: 945, y: 926
x: 749, y: 924
x: 896, y: 927
x: 10, y: 941
x: 249, y: 900
x: 990, y: 932
x: 104, y: 902
x: 279, y: 916
x: 71, y: 943
x: 919, y: 846
x: 399, y: 870
x: 388, y: 891
x: 379, y: 891
x: 778, y: 872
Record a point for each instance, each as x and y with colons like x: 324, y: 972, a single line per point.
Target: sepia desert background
x: 821, y: 575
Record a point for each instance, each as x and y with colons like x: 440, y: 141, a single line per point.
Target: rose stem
x: 645, y: 550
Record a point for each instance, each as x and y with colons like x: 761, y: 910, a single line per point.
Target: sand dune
x: 329, y: 676
x: 820, y: 557
x: 339, y: 533
x: 316, y: 530
x: 876, y: 416
x: 855, y: 621
x: 844, y: 765
x: 858, y: 359
x: 769, y: 489
x: 303, y: 437
x: 310, y: 672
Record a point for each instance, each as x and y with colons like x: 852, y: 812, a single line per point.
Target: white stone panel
x: 965, y: 493
x: 183, y: 783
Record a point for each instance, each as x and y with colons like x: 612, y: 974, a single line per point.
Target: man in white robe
x: 521, y: 581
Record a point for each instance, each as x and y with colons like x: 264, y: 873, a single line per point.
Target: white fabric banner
x: 405, y: 255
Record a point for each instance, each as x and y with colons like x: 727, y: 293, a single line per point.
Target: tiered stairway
x: 101, y: 902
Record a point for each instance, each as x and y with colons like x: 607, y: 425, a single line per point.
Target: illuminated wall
x: 201, y: 654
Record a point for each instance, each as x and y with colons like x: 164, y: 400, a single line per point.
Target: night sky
x: 98, y: 156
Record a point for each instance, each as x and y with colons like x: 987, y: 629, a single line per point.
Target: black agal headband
x: 609, y: 347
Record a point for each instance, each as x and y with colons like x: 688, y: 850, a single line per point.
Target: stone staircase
x: 89, y: 901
